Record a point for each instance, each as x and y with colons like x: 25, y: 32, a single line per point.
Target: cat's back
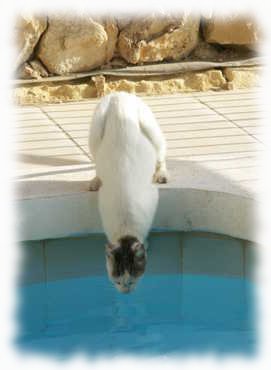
x: 124, y: 149
x: 121, y: 119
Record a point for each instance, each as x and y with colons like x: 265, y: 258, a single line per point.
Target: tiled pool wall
x: 196, y: 295
x: 168, y: 253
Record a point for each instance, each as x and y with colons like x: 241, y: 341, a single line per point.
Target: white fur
x: 129, y: 150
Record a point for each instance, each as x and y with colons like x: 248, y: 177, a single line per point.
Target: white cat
x: 129, y: 150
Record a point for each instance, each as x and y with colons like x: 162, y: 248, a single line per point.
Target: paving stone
x: 220, y: 130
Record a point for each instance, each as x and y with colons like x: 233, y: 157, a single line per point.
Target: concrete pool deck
x: 215, y: 141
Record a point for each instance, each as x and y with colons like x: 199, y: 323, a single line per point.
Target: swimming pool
x: 196, y: 296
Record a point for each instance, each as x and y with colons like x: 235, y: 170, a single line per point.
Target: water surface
x: 167, y: 314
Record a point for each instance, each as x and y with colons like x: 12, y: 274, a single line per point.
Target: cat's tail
x: 119, y: 103
x: 122, y: 115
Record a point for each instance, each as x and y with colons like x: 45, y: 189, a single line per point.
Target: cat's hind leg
x: 152, y: 130
x: 96, y: 133
x: 97, y: 127
x: 95, y: 184
x: 160, y: 175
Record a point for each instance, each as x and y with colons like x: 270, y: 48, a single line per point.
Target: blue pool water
x: 167, y: 314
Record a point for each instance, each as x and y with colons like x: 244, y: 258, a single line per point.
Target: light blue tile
x: 32, y: 310
x: 31, y: 268
x: 212, y: 255
x: 75, y: 257
x: 164, y: 253
x: 92, y: 305
x: 157, y: 291
x: 78, y: 301
x: 216, y: 302
x: 251, y: 260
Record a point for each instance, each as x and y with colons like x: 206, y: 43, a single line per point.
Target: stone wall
x: 50, y: 46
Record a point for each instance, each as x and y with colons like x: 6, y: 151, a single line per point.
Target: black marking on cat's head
x: 129, y: 256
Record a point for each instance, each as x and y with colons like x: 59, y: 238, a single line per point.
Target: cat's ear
x: 139, y: 249
x: 109, y: 248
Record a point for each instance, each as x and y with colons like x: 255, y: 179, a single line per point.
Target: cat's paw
x: 161, y: 177
x: 95, y: 184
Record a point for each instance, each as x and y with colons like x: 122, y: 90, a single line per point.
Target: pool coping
x: 178, y: 210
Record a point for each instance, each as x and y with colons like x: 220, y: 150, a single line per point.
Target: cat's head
x: 125, y: 263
